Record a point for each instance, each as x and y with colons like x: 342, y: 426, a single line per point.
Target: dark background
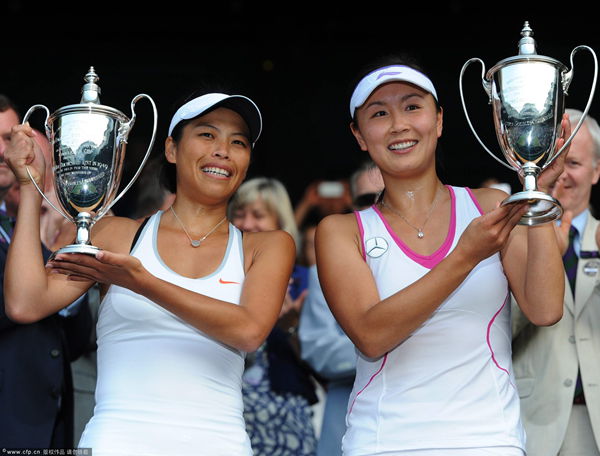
x: 295, y: 60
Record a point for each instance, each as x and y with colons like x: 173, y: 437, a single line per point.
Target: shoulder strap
x: 137, y: 233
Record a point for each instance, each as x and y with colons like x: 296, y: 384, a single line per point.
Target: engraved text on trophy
x: 84, y: 145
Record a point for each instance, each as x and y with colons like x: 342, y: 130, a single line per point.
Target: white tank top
x: 450, y: 383
x: 163, y: 386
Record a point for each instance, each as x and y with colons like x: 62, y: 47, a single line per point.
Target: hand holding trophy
x: 527, y: 94
x: 88, y: 150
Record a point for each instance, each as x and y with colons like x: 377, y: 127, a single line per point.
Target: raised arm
x: 30, y: 293
x: 376, y: 326
x: 532, y: 258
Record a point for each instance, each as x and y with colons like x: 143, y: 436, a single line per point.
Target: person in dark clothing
x: 36, y: 395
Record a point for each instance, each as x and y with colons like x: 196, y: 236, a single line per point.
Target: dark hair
x: 168, y: 171
x: 388, y: 60
x: 6, y: 104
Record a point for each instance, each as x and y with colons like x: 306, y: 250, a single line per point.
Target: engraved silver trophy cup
x: 88, y: 150
x: 527, y: 94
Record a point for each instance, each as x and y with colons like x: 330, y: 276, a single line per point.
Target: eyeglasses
x: 364, y: 200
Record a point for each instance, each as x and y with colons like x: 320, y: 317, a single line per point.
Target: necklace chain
x: 194, y: 242
x: 420, y: 233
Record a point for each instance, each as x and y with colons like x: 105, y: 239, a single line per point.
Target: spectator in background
x: 278, y: 388
x: 324, y: 345
x: 557, y: 368
x: 36, y: 393
x: 322, y: 198
x: 151, y: 197
x: 492, y: 182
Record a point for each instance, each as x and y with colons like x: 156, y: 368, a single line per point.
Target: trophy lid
x: 90, y: 90
x: 527, y: 43
x: 90, y: 100
x: 527, y: 53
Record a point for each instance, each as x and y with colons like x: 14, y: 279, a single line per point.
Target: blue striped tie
x: 6, y: 223
x: 570, y: 259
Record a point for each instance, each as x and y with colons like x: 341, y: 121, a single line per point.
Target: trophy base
x: 86, y: 249
x: 543, y: 208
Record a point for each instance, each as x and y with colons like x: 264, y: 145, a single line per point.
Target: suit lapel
x: 586, y: 277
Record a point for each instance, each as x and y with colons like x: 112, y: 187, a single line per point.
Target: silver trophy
x: 527, y: 94
x: 88, y: 149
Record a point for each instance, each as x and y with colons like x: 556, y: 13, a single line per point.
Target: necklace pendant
x: 420, y: 234
x: 196, y: 243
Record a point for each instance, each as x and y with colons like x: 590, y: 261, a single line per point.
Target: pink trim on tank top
x: 361, y: 232
x: 369, y: 382
x: 489, y: 342
x: 475, y: 202
x: 427, y: 261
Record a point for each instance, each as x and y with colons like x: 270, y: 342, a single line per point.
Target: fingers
x: 111, y: 258
x: 75, y: 265
x: 24, y: 128
x: 566, y: 125
x: 515, y: 215
x: 558, y: 189
x: 498, y: 224
x: 549, y: 177
x: 566, y: 221
x: 501, y: 212
x: 22, y: 152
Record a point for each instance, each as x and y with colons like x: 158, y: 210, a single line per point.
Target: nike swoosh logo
x: 227, y: 282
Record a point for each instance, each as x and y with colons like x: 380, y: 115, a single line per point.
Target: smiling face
x: 581, y: 171
x: 212, y: 154
x: 399, y: 126
x: 255, y: 216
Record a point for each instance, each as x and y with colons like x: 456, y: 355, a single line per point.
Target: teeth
x: 217, y: 171
x: 403, y: 145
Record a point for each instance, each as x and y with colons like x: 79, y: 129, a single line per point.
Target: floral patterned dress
x: 278, y: 424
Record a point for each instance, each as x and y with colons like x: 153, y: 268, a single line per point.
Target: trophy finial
x: 527, y: 43
x: 91, y: 90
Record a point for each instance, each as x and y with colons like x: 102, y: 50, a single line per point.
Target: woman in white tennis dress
x: 185, y: 295
x: 420, y: 282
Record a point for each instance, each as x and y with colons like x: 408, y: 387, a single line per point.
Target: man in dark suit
x: 36, y: 397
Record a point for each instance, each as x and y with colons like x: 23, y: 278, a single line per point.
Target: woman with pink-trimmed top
x: 421, y: 283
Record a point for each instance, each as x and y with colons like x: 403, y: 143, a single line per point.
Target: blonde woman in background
x: 277, y: 387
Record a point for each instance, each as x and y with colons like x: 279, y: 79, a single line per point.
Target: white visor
x: 244, y: 106
x: 370, y: 82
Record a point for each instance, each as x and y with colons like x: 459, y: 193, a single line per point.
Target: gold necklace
x: 194, y: 242
x: 420, y: 233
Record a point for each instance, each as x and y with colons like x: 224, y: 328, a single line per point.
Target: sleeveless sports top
x: 163, y: 386
x: 450, y: 383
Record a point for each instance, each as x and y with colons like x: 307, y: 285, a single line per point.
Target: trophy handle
x: 566, y: 81
x: 488, y: 89
x: 47, y: 130
x: 128, y: 126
